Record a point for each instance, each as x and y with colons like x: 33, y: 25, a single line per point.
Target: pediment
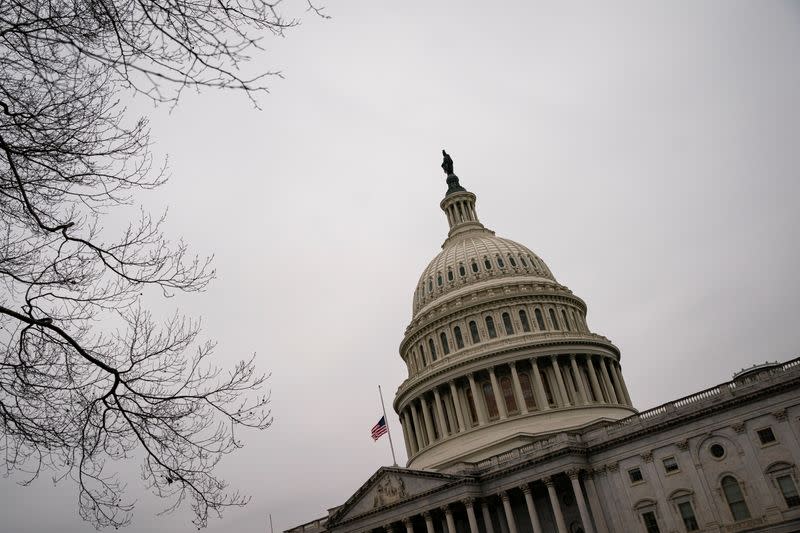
x: 390, y: 486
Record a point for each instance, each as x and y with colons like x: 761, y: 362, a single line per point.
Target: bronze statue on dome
x: 447, y: 164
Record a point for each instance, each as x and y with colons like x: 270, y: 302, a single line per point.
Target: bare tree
x: 87, y: 376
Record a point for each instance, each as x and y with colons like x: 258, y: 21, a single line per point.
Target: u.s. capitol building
x: 516, y: 417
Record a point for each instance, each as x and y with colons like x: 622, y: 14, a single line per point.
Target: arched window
x: 522, y: 260
x: 735, y: 498
x: 566, y: 321
x: 439, y: 279
x: 461, y: 270
x: 507, y: 324
x: 474, y: 266
x: 458, y: 337
x: 491, y: 404
x: 500, y: 262
x: 487, y: 263
x: 445, y: 345
x: 473, y: 331
x: 575, y: 320
x: 422, y: 354
x: 539, y: 320
x: 512, y: 261
x: 473, y: 414
x: 523, y: 317
x: 449, y: 274
x: 527, y: 390
x: 433, y: 349
x: 553, y: 319
x: 430, y: 285
x: 508, y: 394
x: 490, y: 327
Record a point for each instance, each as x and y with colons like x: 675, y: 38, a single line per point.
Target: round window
x: 717, y: 451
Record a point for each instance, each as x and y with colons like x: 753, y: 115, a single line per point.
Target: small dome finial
x: 447, y: 163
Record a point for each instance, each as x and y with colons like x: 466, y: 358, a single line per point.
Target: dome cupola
x: 498, y: 352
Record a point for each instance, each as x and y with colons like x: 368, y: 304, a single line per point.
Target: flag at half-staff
x: 379, y: 429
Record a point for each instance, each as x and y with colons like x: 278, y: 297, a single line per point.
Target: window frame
x: 630, y: 476
x: 740, y: 488
x: 761, y: 439
x: 779, y: 470
x: 668, y: 471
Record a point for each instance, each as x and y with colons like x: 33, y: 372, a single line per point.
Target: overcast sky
x: 647, y: 151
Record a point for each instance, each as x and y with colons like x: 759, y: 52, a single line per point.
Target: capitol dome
x: 498, y: 353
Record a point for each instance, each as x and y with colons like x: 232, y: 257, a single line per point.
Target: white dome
x: 473, y: 257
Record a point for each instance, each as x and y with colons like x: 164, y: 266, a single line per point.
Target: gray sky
x: 647, y: 151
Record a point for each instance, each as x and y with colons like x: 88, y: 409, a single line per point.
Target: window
x: 500, y: 262
x: 430, y: 285
x: 512, y: 261
x: 449, y: 274
x: 670, y: 465
x: 523, y: 317
x: 508, y: 394
x: 459, y: 338
x: 553, y: 319
x: 473, y: 331
x: 445, y: 345
x: 462, y: 271
x: 439, y: 279
x: 487, y: 263
x: 433, y: 349
x: 650, y: 522
x: 491, y: 404
x: 636, y: 475
x: 507, y: 324
x: 527, y: 390
x: 766, y: 436
x: 735, y: 498
x: 788, y: 490
x: 474, y: 267
x: 490, y: 327
x: 717, y: 451
x: 539, y: 320
x: 422, y: 353
x: 687, y: 515
x: 522, y: 260
x: 566, y: 321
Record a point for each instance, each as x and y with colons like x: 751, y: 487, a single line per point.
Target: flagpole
x: 388, y: 430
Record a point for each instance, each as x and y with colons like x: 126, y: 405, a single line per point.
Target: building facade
x: 516, y: 417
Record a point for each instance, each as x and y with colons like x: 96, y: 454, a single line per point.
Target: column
x: 579, y: 380
x: 449, y: 408
x: 523, y: 409
x: 498, y: 396
x: 617, y: 371
x: 594, y: 504
x: 551, y: 491
x: 417, y: 428
x: 427, y: 417
x: 541, y: 399
x: 473, y: 522
x: 457, y: 404
x: 406, y: 433
x: 512, y: 523
x: 487, y: 518
x: 607, y: 380
x: 559, y: 380
x: 448, y: 516
x: 615, y: 381
x: 526, y: 490
x: 476, y: 397
x: 598, y: 392
x: 442, y: 422
x: 574, y: 477
x: 409, y: 525
x: 428, y: 522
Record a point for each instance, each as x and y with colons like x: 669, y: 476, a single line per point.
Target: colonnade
x: 518, y: 388
x: 590, y: 514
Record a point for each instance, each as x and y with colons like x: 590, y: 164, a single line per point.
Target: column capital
x: 598, y: 471
x: 548, y: 480
x: 388, y: 528
x: 525, y: 488
x: 647, y: 457
x: 574, y: 473
x: 407, y: 521
x: 491, y: 370
x: 446, y: 509
x: 503, y: 495
x: 469, y: 501
x: 682, y: 445
x: 513, y: 364
x: 612, y: 467
x: 572, y: 357
x: 427, y: 515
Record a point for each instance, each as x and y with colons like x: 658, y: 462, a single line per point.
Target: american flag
x: 379, y: 429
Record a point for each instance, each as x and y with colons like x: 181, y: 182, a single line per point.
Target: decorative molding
x: 780, y: 415
x: 682, y: 445
x: 469, y: 502
x: 389, y: 490
x: 446, y: 509
x: 526, y: 489
x: 647, y: 457
x: 504, y: 495
x: 427, y: 515
x: 612, y: 467
x: 573, y: 473
x: 547, y: 480
x: 738, y: 427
